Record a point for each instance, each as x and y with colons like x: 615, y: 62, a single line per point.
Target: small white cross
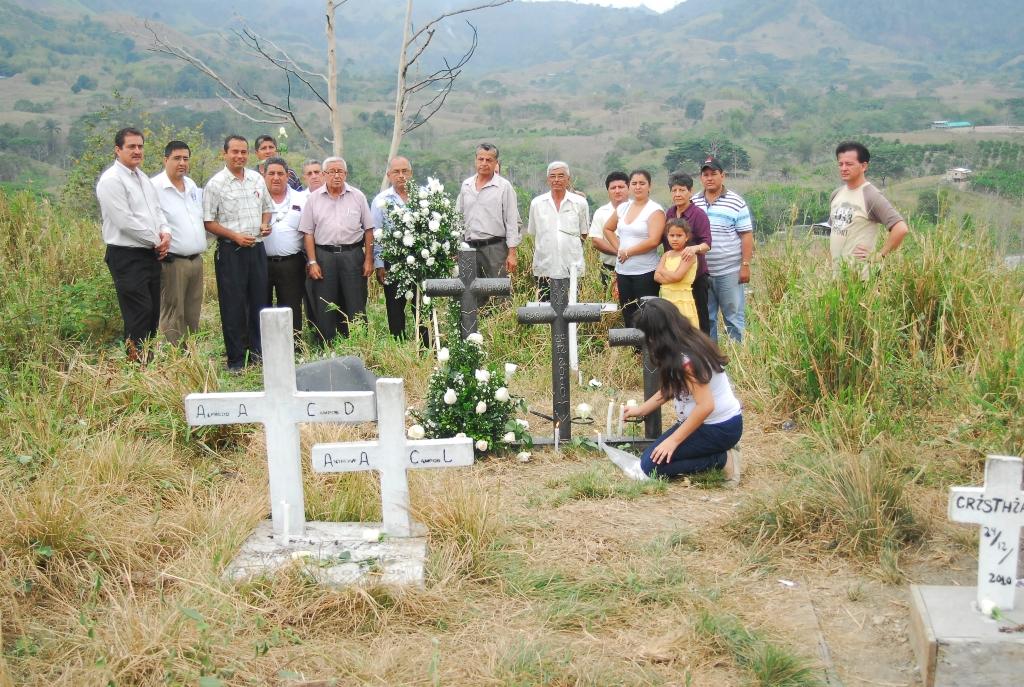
x: 391, y: 455
x: 280, y: 408
x: 999, y: 508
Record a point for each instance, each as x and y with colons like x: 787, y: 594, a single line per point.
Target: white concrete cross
x: 391, y: 455
x: 280, y: 408
x: 999, y: 508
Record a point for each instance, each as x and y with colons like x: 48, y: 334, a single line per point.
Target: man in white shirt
x: 559, y: 221
x: 487, y: 202
x: 617, y: 185
x: 286, y: 261
x: 137, y: 238
x: 181, y: 278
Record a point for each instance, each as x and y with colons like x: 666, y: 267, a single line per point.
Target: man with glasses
x: 487, y: 202
x: 559, y: 221
x: 338, y: 238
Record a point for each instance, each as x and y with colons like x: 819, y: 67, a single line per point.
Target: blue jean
x: 702, y: 450
x: 726, y: 293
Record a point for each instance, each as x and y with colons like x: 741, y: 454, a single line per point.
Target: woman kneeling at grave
x: 691, y: 372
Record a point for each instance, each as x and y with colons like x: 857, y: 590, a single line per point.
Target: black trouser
x: 242, y: 291
x: 136, y: 273
x: 394, y: 301
x: 633, y: 287
x: 340, y: 296
x: 701, y: 284
x: 286, y: 276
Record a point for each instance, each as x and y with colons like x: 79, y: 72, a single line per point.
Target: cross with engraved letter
x: 999, y: 508
x: 630, y: 336
x: 559, y: 313
x: 391, y: 455
x: 280, y: 408
x: 472, y: 291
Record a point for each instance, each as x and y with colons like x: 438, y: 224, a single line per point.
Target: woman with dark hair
x: 634, y: 230
x: 691, y: 373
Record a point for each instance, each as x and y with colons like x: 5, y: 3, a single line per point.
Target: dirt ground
x: 848, y: 621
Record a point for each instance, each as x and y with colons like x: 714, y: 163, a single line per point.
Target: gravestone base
x: 640, y: 442
x: 957, y: 646
x: 338, y: 554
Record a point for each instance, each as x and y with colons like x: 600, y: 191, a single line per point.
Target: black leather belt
x: 480, y: 243
x: 279, y: 258
x: 340, y: 248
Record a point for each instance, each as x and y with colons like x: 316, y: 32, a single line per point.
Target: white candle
x: 608, y: 421
x: 556, y: 436
x: 622, y: 417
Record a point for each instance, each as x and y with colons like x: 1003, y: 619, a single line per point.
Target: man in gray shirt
x: 137, y: 237
x: 487, y: 202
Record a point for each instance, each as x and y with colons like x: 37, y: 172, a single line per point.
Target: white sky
x: 656, y: 5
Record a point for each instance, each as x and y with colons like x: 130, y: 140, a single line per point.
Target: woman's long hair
x: 670, y: 336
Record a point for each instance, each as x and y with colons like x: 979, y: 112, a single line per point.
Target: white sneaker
x: 733, y: 467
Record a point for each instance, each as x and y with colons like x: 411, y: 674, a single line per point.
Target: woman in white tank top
x: 634, y: 230
x: 691, y: 373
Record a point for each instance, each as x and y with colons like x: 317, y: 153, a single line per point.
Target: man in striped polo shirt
x: 732, y: 249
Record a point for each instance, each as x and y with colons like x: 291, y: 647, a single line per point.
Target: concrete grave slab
x: 347, y: 373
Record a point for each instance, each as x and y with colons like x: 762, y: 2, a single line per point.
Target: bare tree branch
x: 441, y: 17
x: 282, y: 60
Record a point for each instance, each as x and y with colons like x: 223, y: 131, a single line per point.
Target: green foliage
x: 602, y: 481
x: 1005, y: 182
x: 933, y: 204
x: 688, y: 153
x: 84, y: 82
x: 780, y: 206
x: 770, y: 664
x: 467, y: 395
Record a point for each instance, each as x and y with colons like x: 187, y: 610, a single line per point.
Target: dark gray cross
x: 472, y: 291
x: 629, y: 336
x: 558, y: 313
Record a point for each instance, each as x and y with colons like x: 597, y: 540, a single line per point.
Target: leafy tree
x: 689, y: 153
x: 695, y: 109
x: 84, y: 83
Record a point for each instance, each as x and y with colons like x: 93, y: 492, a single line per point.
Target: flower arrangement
x: 420, y: 240
x: 467, y: 396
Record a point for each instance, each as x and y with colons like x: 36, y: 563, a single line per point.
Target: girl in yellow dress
x: 677, y: 270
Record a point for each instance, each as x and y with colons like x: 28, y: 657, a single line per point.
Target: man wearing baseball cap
x: 732, y: 249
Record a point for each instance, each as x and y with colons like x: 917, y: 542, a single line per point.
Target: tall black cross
x: 629, y: 336
x: 471, y: 291
x: 558, y: 313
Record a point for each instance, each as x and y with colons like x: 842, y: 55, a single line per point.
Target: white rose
x: 446, y: 202
x: 410, y: 260
x: 424, y: 253
x: 426, y: 299
x: 435, y: 215
x: 583, y: 410
x: 397, y: 234
x: 631, y: 403
x: 455, y: 233
x: 434, y: 225
x: 987, y: 606
x: 525, y: 424
x: 447, y: 246
x: 481, y: 445
x: 455, y: 271
x: 434, y: 245
x: 282, y: 132
x: 595, y: 384
x: 416, y: 432
x: 523, y: 456
x: 463, y: 245
x: 510, y: 369
x: 450, y: 397
x: 431, y: 261
x: 460, y: 435
x: 377, y: 234
x: 475, y: 337
x: 424, y: 203
x: 408, y: 240
x: 408, y: 295
x: 501, y: 394
x: 381, y: 203
x: 408, y: 218
x: 481, y: 407
x: 509, y: 437
x: 443, y: 355
x: 482, y: 376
